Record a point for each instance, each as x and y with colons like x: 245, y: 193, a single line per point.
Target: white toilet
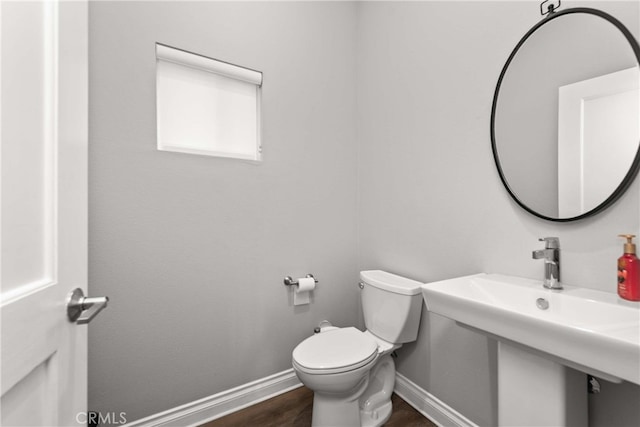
x: 351, y: 372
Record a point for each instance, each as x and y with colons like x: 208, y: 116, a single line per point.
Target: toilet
x: 351, y: 372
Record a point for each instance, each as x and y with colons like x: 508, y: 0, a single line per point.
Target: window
x: 206, y: 106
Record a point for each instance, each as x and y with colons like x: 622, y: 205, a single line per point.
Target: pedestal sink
x: 542, y: 333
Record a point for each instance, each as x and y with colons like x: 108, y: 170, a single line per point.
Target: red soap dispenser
x: 628, y: 274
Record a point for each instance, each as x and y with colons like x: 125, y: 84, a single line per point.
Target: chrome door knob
x: 81, y: 309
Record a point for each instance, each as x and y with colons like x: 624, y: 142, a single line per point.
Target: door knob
x: 81, y: 309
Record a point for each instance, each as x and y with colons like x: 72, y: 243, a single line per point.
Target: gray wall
x: 385, y: 106
x: 431, y: 205
x: 191, y: 249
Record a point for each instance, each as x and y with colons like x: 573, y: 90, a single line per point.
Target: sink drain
x: 542, y: 303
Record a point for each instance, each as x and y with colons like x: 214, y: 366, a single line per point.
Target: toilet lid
x: 338, y: 350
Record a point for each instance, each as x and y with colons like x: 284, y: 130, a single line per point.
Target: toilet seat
x: 384, y: 347
x: 335, y: 351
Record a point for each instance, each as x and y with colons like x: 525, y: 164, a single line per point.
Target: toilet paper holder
x: 288, y: 281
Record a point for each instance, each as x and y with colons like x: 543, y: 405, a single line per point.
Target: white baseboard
x: 218, y: 405
x: 223, y: 403
x: 429, y: 405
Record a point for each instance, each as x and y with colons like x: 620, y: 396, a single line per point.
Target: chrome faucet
x: 551, y: 256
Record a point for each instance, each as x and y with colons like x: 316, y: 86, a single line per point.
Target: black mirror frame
x: 635, y: 166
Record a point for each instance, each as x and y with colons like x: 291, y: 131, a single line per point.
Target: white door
x: 43, y: 196
x: 598, y: 133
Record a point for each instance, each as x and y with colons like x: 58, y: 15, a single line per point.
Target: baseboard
x: 220, y: 404
x: 428, y: 405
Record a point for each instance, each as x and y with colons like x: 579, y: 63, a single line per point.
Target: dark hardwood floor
x: 293, y: 409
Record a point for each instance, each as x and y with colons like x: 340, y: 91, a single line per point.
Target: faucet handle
x: 550, y: 242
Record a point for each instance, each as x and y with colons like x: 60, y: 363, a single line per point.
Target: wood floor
x: 293, y: 409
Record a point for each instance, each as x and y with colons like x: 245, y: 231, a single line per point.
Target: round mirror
x: 565, y: 122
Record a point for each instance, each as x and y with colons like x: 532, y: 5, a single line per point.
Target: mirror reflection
x: 567, y: 116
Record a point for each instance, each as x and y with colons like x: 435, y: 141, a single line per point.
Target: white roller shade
x: 166, y: 53
x: 206, y: 106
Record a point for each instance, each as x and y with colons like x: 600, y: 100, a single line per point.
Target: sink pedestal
x: 537, y: 391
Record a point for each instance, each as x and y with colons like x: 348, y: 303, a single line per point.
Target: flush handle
x: 81, y: 309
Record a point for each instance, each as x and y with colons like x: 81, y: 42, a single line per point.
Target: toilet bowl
x: 321, y: 367
x: 351, y: 372
x: 352, y: 377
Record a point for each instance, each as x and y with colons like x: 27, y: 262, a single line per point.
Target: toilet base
x: 368, y: 405
x: 378, y: 417
x: 331, y: 410
x: 375, y: 403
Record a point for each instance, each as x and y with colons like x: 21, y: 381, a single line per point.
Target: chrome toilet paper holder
x: 288, y: 281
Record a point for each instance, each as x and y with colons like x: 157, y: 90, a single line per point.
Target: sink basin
x: 592, y: 331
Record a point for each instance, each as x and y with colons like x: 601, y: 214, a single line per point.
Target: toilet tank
x: 391, y: 306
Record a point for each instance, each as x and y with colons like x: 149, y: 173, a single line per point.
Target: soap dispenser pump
x: 628, y: 274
